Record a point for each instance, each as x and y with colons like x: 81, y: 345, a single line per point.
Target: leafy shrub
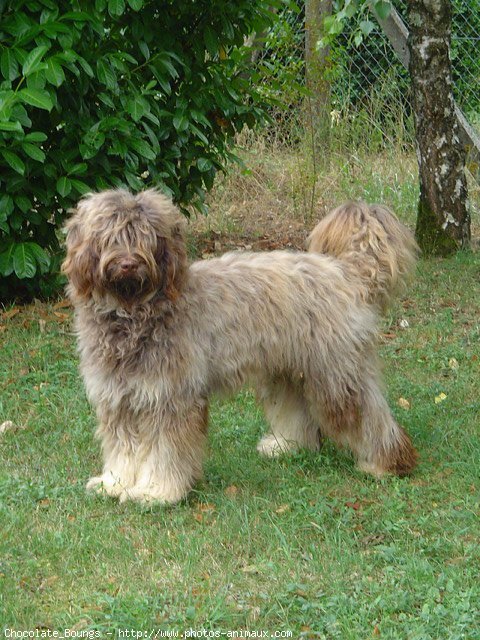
x: 102, y: 93
x: 281, y: 70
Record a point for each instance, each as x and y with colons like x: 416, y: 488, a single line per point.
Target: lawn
x: 305, y: 546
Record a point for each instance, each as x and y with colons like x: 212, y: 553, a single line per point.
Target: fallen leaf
x: 7, y: 315
x: 353, y: 505
x: 8, y: 425
x: 282, y: 508
x: 61, y: 316
x: 231, y: 491
x: 24, y: 582
x: 250, y: 568
x: 203, y: 512
x: 403, y: 324
x: 206, y: 506
x: 389, y: 336
x: 62, y: 304
x: 453, y: 364
x: 404, y: 403
x: 440, y: 398
x: 47, y: 582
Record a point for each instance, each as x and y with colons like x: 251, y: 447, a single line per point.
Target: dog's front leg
x: 170, y: 455
x: 119, y: 444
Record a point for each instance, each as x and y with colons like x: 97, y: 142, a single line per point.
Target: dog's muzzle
x: 128, y: 278
x: 128, y: 287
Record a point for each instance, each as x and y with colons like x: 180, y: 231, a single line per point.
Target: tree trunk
x: 443, y: 223
x: 317, y: 63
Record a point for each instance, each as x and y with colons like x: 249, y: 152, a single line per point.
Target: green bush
x: 102, y: 93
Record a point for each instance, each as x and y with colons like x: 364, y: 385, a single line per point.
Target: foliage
x: 279, y: 61
x: 102, y: 93
x: 280, y: 64
x: 345, y: 10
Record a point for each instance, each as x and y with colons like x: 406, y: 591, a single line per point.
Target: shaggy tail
x: 380, y: 249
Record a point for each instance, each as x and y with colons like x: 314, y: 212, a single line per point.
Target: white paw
x: 272, y: 445
x: 107, y: 484
x: 153, y: 493
x: 371, y: 468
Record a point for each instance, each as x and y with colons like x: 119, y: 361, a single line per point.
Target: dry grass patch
x: 275, y: 197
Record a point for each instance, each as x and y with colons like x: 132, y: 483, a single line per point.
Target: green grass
x: 305, y: 543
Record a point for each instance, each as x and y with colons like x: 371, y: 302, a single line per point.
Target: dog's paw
x: 371, y: 468
x: 153, y: 494
x: 272, y: 445
x: 106, y: 484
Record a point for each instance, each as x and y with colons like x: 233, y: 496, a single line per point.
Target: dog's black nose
x: 128, y: 265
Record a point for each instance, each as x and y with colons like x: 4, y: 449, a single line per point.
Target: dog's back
x: 298, y: 308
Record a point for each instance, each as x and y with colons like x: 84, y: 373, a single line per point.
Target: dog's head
x: 125, y: 247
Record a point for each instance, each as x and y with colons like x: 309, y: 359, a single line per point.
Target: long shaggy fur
x: 157, y: 337
x: 379, y: 249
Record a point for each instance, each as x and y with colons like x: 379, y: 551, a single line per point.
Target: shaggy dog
x: 158, y: 336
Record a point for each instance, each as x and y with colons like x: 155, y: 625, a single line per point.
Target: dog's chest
x: 131, y: 350
x: 138, y: 363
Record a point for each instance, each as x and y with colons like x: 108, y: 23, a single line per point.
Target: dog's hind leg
x: 361, y: 419
x: 383, y: 446
x: 170, y: 455
x: 287, y: 412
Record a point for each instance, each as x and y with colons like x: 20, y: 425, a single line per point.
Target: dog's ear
x: 171, y: 259
x: 81, y: 262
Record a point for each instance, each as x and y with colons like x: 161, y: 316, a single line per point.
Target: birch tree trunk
x: 443, y: 222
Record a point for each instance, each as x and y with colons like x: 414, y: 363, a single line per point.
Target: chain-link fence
x: 369, y: 87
